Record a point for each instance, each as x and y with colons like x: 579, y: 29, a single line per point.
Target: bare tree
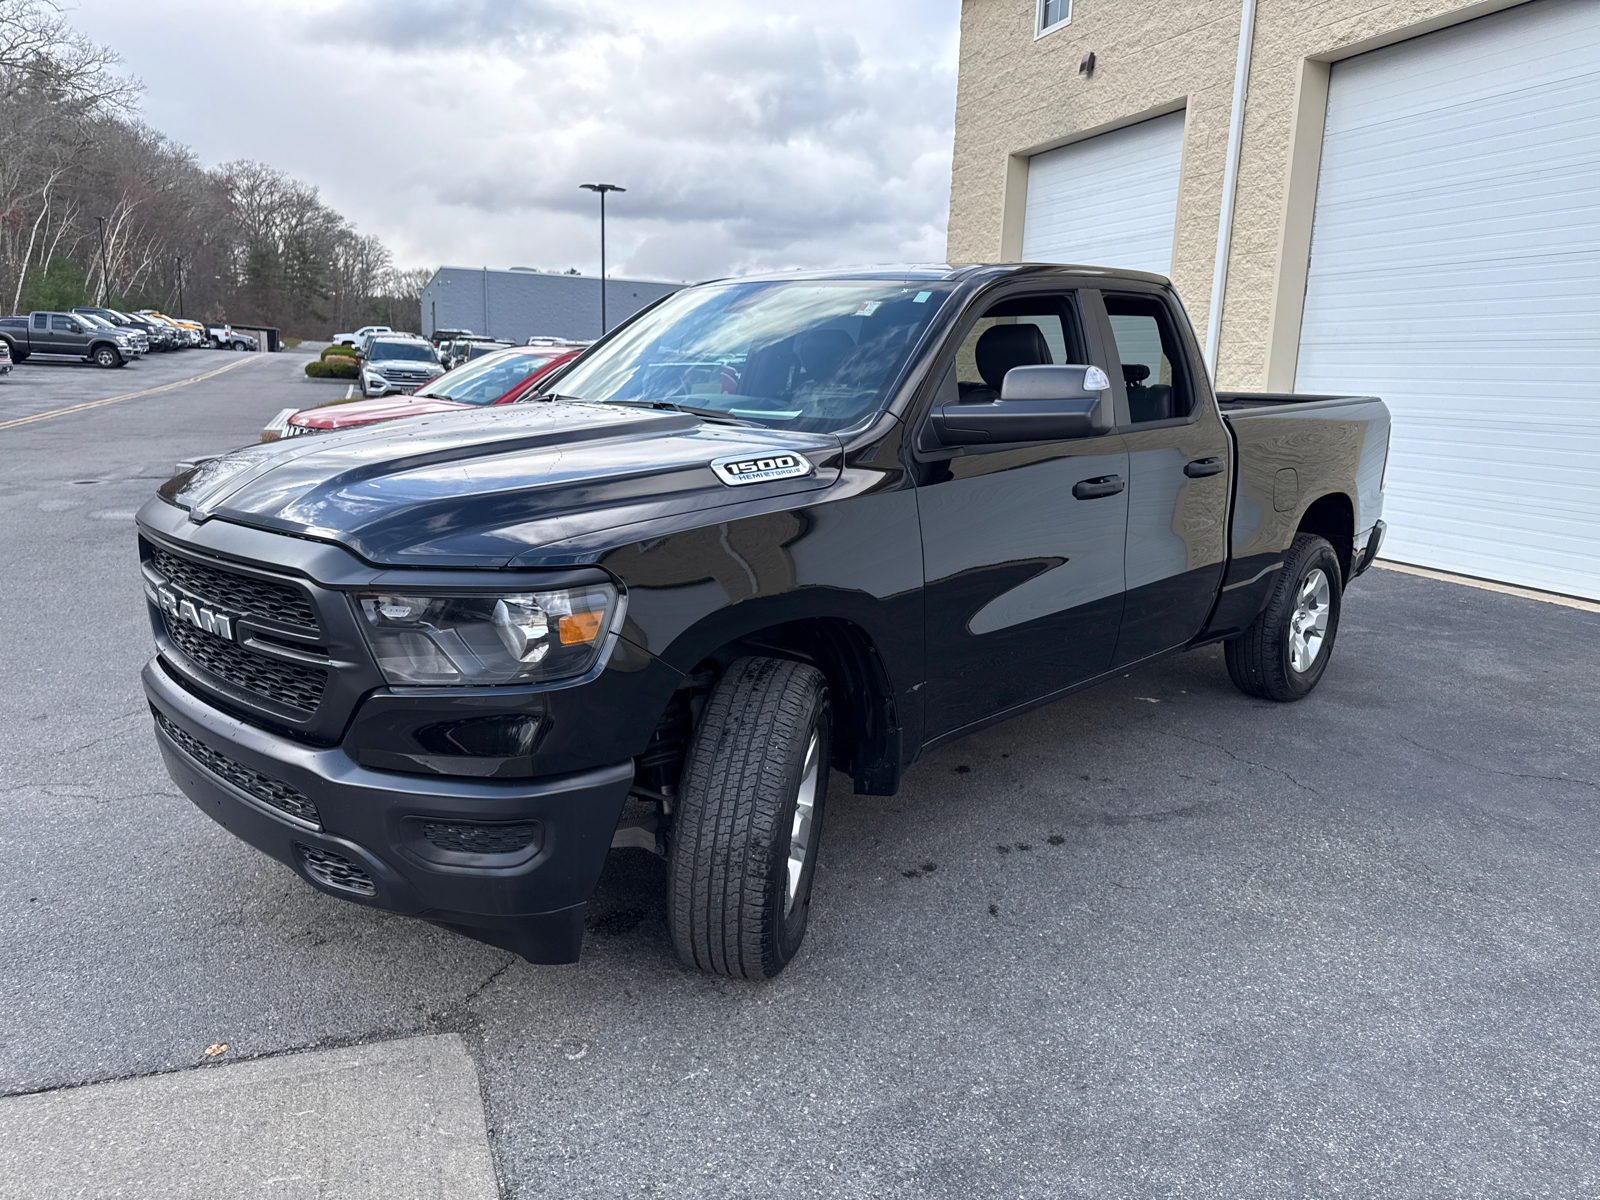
x: 245, y: 239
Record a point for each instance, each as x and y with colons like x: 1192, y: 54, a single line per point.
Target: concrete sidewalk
x: 395, y: 1120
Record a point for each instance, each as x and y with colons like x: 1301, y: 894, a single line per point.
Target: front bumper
x: 373, y: 837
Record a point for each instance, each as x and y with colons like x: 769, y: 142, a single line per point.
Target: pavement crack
x: 487, y: 983
x: 1249, y: 762
x: 1478, y: 766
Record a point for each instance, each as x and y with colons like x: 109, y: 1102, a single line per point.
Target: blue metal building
x: 523, y: 303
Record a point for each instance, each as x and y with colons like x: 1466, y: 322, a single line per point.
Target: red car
x: 499, y: 378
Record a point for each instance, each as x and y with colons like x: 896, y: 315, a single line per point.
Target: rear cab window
x: 1153, y: 367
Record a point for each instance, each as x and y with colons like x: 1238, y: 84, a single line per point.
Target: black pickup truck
x: 66, y: 335
x: 767, y: 527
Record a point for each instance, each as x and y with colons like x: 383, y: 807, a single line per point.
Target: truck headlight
x: 479, y: 638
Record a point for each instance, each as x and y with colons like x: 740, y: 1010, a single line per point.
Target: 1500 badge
x: 761, y: 468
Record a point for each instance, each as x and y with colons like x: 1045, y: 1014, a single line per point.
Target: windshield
x: 416, y: 351
x: 813, y: 355
x: 94, y: 321
x: 486, y: 379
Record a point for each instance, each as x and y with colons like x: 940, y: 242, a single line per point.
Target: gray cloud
x: 459, y: 133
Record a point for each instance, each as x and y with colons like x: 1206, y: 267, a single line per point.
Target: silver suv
x: 398, y: 363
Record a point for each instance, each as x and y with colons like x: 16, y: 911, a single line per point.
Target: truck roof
x: 953, y: 272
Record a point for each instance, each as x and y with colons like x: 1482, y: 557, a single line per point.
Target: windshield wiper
x: 710, y: 414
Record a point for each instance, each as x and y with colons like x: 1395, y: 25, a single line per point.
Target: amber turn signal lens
x: 580, y: 627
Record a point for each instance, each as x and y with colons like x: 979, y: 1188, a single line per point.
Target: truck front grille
x: 263, y: 787
x: 335, y: 871
x: 292, y: 686
x: 239, y: 594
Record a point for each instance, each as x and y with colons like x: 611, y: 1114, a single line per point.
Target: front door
x: 1178, y: 477
x: 1022, y: 545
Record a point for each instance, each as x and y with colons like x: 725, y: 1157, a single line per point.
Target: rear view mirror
x: 1036, y: 404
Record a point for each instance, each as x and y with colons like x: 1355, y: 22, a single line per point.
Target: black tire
x: 730, y: 905
x: 107, y: 356
x: 1261, y: 661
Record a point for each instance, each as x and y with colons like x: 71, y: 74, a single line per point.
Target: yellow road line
x: 1488, y: 586
x: 166, y: 387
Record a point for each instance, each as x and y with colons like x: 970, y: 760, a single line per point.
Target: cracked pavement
x: 1158, y: 939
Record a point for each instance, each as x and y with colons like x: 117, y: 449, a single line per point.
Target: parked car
x: 464, y: 349
x: 355, y: 339
x: 141, y: 334
x: 162, y: 337
x: 397, y: 363
x: 766, y: 529
x: 138, y: 341
x: 65, y: 335
x: 226, y: 337
x: 178, y: 337
x: 5, y: 357
x: 500, y: 378
x: 440, y: 336
x: 190, y: 333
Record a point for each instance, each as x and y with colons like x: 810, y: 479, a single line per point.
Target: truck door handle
x: 1092, y: 489
x: 1201, y: 467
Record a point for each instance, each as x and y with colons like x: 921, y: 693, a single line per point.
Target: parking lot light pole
x: 602, y: 189
x: 180, y: 287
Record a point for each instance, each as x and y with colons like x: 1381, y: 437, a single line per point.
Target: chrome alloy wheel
x: 805, y: 808
x: 1309, y: 625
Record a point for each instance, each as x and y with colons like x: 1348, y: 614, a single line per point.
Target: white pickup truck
x: 354, y: 339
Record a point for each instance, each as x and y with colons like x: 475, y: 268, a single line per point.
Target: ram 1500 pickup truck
x: 66, y: 335
x: 765, y: 529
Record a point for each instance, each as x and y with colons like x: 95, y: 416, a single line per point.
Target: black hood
x: 478, y: 489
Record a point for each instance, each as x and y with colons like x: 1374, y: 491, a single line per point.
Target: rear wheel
x: 1284, y: 652
x: 107, y: 356
x: 744, y: 838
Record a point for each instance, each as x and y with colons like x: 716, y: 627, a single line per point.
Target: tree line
x: 97, y: 206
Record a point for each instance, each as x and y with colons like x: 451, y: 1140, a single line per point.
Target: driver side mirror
x: 1036, y: 404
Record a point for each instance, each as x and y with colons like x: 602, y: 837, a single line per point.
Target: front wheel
x: 1284, y: 652
x: 106, y: 356
x: 744, y: 839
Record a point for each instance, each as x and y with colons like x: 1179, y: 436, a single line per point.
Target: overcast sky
x: 458, y: 131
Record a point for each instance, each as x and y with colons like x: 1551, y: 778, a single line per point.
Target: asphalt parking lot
x: 1157, y: 940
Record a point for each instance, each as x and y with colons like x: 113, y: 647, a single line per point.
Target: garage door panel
x: 1455, y: 271
x: 1110, y: 200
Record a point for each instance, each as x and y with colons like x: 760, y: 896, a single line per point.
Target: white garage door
x: 1455, y: 271
x: 1109, y: 201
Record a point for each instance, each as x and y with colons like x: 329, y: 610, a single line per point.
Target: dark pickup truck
x: 66, y: 335
x: 764, y: 529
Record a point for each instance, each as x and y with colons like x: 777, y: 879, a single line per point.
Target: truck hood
x: 483, y: 487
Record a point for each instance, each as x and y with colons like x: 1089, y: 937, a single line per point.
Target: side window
x: 1151, y: 357
x: 1026, y: 331
x: 39, y: 321
x: 61, y: 324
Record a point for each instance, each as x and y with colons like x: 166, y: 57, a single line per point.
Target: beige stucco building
x: 1429, y: 146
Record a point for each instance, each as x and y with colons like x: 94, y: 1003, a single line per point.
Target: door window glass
x: 61, y: 324
x: 1151, y: 358
x: 1028, y: 331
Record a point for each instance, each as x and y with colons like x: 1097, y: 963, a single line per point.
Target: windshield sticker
x: 922, y: 297
x: 762, y: 468
x: 868, y: 308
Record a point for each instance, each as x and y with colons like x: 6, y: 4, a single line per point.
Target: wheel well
x: 1333, y: 517
x: 866, y: 729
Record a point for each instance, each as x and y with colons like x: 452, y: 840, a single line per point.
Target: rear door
x: 1022, y: 545
x: 1179, y: 456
